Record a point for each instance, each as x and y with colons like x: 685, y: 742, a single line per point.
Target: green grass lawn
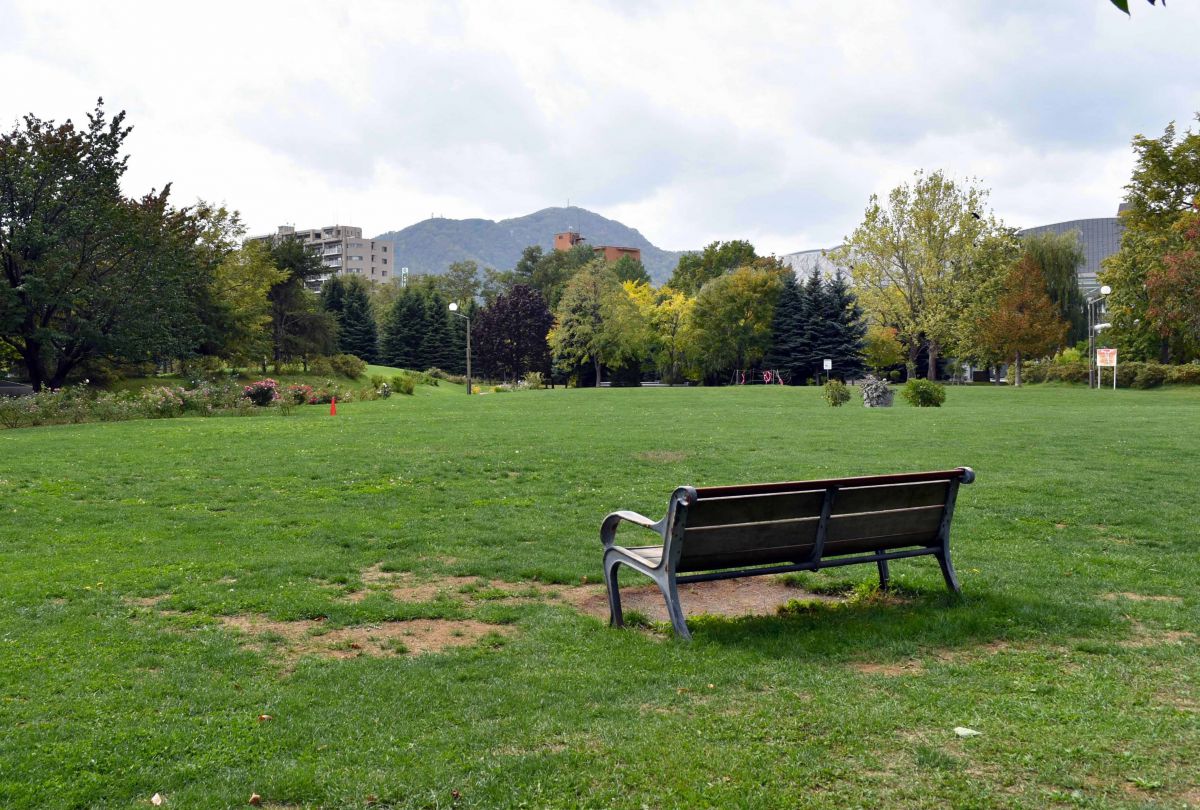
x: 128, y: 549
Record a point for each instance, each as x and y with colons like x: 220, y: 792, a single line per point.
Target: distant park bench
x: 755, y: 529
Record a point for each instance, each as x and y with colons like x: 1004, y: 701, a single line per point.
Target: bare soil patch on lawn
x: 749, y: 596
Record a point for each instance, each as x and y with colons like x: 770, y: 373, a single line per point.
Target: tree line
x: 93, y: 277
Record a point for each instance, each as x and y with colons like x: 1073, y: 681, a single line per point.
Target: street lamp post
x: 454, y: 311
x: 1093, y: 380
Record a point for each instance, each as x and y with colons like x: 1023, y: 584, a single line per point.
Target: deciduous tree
x: 88, y: 272
x: 1026, y: 322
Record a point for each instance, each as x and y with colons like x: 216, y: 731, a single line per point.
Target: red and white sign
x: 1106, y: 358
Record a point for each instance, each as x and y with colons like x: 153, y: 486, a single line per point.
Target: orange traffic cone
x: 333, y: 406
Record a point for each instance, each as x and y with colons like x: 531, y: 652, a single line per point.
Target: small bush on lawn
x: 534, y: 380
x: 262, y: 392
x: 348, y: 366
x: 836, y: 393
x: 438, y: 374
x: 876, y: 393
x: 298, y: 394
x: 501, y: 389
x: 923, y: 393
x: 162, y: 402
x: 404, y: 384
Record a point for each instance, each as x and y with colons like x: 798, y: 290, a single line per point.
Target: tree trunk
x: 931, y: 372
x: 31, y: 356
x: 1017, y: 377
x: 596, y: 363
x: 910, y: 366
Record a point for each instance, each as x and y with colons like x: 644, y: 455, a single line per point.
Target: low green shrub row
x: 78, y: 404
x: 1129, y: 375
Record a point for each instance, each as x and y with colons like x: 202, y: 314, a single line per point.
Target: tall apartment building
x: 343, y: 251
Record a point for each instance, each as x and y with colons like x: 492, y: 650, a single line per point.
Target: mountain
x: 430, y: 246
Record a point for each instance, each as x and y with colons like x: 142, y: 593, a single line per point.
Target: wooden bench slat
x: 753, y: 509
x: 879, y: 499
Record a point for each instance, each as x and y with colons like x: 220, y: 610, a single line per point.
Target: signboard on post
x: 1107, y: 358
x: 828, y: 365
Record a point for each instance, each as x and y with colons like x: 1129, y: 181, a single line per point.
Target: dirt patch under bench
x: 749, y: 596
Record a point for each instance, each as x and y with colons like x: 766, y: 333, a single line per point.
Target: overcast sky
x: 772, y: 122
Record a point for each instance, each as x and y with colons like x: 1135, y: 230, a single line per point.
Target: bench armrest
x: 608, y: 529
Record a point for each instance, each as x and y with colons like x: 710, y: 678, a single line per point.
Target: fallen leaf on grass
x: 156, y: 800
x: 255, y: 799
x: 963, y: 731
x: 264, y: 717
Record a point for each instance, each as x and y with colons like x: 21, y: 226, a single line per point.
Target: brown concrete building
x: 611, y: 253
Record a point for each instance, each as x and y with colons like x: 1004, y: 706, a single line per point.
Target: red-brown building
x: 611, y: 253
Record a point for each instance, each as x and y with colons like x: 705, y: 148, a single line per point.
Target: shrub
x: 1184, y: 375
x: 321, y: 366
x: 923, y: 393
x: 534, y: 380
x: 262, y: 392
x: 377, y: 381
x: 876, y: 393
x: 1150, y: 375
x: 404, y: 384
x: 348, y: 366
x: 299, y: 394
x: 836, y: 393
x: 501, y: 389
x: 321, y: 396
x: 161, y: 402
x: 438, y: 374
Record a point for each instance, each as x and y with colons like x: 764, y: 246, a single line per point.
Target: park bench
x: 754, y: 529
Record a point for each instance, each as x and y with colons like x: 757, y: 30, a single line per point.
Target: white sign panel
x: 828, y: 365
x: 1106, y: 358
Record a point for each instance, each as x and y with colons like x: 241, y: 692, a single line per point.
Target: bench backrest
x: 797, y: 521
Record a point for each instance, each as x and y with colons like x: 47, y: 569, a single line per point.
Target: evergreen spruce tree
x: 438, y: 346
x: 403, y: 329
x: 788, y: 331
x: 333, y: 296
x: 846, y: 342
x: 357, y: 334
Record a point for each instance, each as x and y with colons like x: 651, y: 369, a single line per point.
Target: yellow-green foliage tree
x: 881, y: 349
x: 910, y: 258
x: 668, y: 314
x: 732, y: 317
x: 596, y: 321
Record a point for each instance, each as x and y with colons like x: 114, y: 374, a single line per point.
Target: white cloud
x: 771, y: 121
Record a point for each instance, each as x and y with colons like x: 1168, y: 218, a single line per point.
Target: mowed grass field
x: 166, y: 587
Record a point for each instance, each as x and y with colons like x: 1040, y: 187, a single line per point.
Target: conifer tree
x: 403, y: 330
x: 789, y: 332
x: 846, y: 342
x: 333, y: 296
x: 438, y: 346
x: 357, y: 334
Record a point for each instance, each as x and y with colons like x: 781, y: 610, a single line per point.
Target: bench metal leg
x: 674, y: 609
x: 943, y: 558
x: 884, y: 577
x: 615, y: 617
